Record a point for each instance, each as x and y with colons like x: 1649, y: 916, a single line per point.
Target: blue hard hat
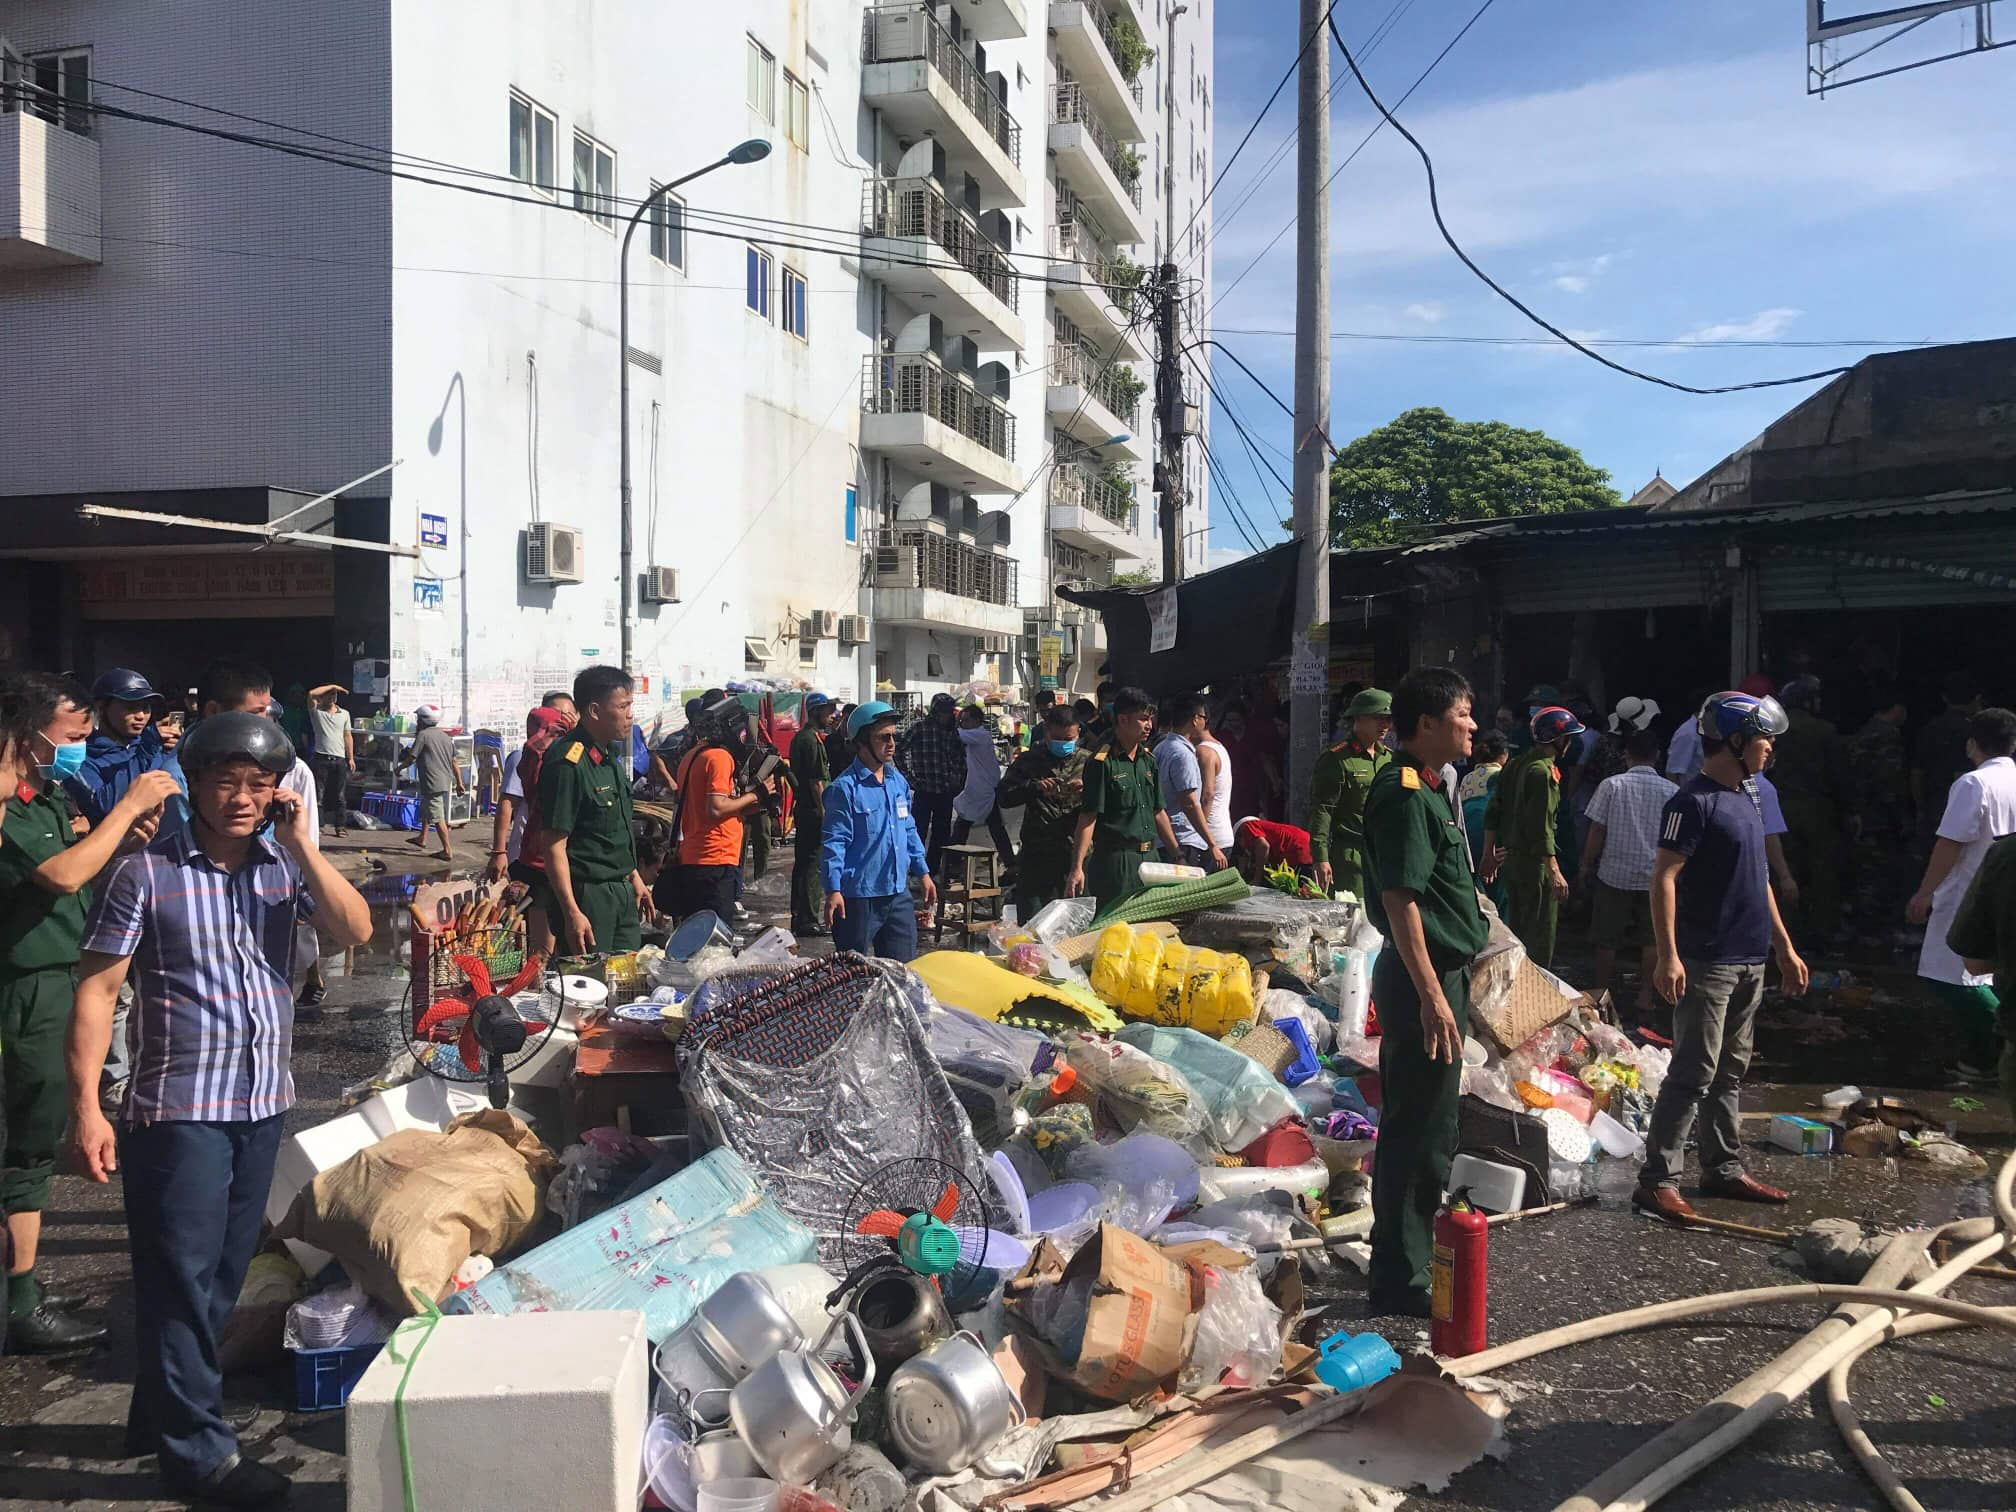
x: 818, y: 701
x: 126, y: 685
x: 873, y: 712
x: 1736, y: 718
x: 1554, y: 722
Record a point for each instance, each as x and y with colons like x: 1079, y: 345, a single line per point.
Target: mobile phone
x: 282, y: 807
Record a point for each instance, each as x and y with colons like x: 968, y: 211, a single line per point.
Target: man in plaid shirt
x: 1625, y: 817
x: 933, y: 757
x: 202, y: 921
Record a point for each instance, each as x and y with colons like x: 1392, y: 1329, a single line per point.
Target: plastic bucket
x: 1493, y: 1187
x: 738, y: 1496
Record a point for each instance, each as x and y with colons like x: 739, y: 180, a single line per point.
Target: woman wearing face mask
x: 45, y: 889
x: 1049, y: 778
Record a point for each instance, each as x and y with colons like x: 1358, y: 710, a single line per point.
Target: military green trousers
x: 34, y: 1019
x: 1111, y: 875
x: 1532, y: 910
x: 611, y: 908
x: 808, y: 893
x: 1417, y: 1128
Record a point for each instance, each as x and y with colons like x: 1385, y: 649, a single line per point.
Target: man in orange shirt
x: 711, y: 807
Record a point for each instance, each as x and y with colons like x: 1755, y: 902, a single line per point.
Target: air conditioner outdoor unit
x: 757, y: 650
x: 820, y: 624
x: 853, y: 629
x: 553, y: 553
x: 659, y: 585
x: 896, y: 567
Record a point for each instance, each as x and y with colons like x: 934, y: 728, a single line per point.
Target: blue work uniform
x: 869, y: 849
x: 109, y: 769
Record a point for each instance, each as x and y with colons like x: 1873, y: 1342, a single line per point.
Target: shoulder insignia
x: 1100, y: 754
x: 1340, y: 746
x: 572, y: 753
x: 1554, y: 772
x: 1410, y: 778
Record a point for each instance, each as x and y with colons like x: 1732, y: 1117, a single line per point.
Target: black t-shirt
x: 1723, y: 913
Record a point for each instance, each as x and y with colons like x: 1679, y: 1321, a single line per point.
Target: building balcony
x: 926, y: 84
x: 1091, y: 511
x: 49, y: 204
x: 1091, y: 42
x: 937, y: 422
x: 929, y: 580
x: 1094, y: 397
x: 915, y: 240
x: 1094, y: 286
x: 1102, y: 173
x: 993, y: 20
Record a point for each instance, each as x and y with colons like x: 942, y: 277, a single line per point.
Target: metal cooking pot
x: 900, y: 1312
x: 721, y: 1455
x: 742, y: 1324
x: 793, y: 1409
x: 950, y: 1405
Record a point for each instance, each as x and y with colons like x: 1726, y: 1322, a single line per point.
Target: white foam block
x: 533, y: 1410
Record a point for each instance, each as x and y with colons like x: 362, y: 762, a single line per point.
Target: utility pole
x: 1169, y: 406
x: 1309, y: 663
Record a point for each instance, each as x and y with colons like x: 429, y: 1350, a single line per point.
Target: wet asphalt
x: 1943, y: 1408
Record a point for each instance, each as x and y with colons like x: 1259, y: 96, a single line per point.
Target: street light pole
x: 752, y: 151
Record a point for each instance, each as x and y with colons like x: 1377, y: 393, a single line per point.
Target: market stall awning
x: 1230, y: 622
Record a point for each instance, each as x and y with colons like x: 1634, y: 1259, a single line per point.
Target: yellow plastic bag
x: 1109, y: 962
x: 1144, y: 969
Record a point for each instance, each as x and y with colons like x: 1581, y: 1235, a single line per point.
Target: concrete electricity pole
x: 1309, y: 664
x: 1169, y: 407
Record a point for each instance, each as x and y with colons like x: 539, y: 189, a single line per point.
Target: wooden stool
x: 976, y: 879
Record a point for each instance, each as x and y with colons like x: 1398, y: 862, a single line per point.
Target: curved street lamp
x: 752, y: 151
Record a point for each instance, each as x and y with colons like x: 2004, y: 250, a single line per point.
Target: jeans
x: 117, y: 1064
x: 1199, y: 856
x: 997, y: 831
x: 195, y: 1195
x: 1713, y: 1031
x: 933, y: 815
x: 885, y: 927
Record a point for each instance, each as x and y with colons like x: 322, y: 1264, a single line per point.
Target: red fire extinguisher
x: 1457, y: 1279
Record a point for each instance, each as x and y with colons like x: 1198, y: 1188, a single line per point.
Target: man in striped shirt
x: 203, y: 922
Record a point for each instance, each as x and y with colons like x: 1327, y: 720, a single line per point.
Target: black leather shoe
x: 63, y: 1302
x: 238, y: 1482
x: 47, y: 1331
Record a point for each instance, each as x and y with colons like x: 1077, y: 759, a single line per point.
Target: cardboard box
x: 1802, y: 1136
x: 1142, y: 1320
x: 1510, y: 1004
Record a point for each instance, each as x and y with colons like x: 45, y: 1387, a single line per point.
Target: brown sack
x: 407, y: 1212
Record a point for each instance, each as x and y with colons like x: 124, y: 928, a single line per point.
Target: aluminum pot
x: 721, y: 1455
x: 901, y: 1313
x: 949, y: 1405
x: 742, y: 1324
x: 793, y: 1409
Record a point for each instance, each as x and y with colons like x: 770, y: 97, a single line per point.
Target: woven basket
x: 1269, y: 1046
x: 445, y: 976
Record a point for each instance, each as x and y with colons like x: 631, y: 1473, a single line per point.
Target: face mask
x: 68, y: 762
x: 1061, y: 747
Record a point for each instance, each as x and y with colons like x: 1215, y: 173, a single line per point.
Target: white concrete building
x: 873, y: 399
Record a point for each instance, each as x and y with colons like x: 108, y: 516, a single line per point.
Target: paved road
x: 1577, y: 1411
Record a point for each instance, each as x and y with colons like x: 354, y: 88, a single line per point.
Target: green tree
x: 1425, y: 468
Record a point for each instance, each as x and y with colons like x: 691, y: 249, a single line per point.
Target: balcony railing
x: 919, y: 207
x: 916, y: 383
x: 1070, y: 107
x: 947, y: 565
x: 902, y: 32
x: 1081, y: 485
x: 1112, y: 385
x: 1078, y: 238
x: 1108, y: 29
x: 1076, y: 564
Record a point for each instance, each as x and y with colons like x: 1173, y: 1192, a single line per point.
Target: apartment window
x: 668, y: 230
x: 757, y: 281
x: 808, y: 653
x: 853, y: 516
x: 532, y: 134
x: 762, y: 80
x: 797, y: 111
x: 55, y: 86
x: 595, y: 181
x: 794, y: 304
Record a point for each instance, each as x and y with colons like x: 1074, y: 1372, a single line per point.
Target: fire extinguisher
x: 1457, y: 1278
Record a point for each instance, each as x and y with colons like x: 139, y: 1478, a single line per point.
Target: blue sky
x: 1645, y: 170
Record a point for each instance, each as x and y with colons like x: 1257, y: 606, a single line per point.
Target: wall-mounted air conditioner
x: 820, y: 624
x: 853, y: 629
x: 658, y: 585
x: 553, y: 553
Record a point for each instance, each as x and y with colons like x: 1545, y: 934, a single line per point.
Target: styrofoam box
x: 540, y: 1410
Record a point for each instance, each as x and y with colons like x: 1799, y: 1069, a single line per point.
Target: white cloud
x: 1427, y: 311
x: 1224, y: 556
x: 1574, y: 275
x: 1765, y: 325
x: 1571, y: 283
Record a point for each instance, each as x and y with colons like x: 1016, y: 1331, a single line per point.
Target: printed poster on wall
x: 1162, y: 621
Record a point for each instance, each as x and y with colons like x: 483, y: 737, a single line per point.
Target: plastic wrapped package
x: 1278, y: 1004
x: 1137, y: 1159
x: 1240, y: 1099
x: 1318, y: 1095
x: 1138, y: 1090
x: 1058, y: 1133
x: 1138, y: 1209
x: 1063, y: 918
x: 1238, y: 1332
x: 340, y: 1318
x: 1652, y: 1062
x: 1492, y: 1084
x: 987, y: 1065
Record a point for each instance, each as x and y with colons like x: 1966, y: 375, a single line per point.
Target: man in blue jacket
x: 126, y: 740
x: 869, y: 845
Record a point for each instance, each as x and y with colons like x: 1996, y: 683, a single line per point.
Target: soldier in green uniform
x: 1344, y: 775
x: 1520, y: 819
x: 1419, y: 893
x: 584, y: 802
x: 811, y: 770
x: 1816, y: 790
x: 1121, y: 815
x: 1047, y: 782
x: 45, y: 891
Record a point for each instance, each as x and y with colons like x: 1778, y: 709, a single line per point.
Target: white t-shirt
x: 1980, y: 809
x: 515, y: 790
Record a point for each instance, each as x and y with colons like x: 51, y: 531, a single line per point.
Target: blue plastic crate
x: 1306, y: 1063
x: 323, y: 1378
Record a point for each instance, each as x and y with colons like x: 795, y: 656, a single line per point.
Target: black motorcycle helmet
x: 236, y: 737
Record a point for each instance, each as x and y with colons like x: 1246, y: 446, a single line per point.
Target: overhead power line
x: 1689, y: 343
x: 1435, y: 205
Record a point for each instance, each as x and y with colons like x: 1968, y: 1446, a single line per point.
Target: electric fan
x: 478, y: 1033
x: 931, y: 1218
